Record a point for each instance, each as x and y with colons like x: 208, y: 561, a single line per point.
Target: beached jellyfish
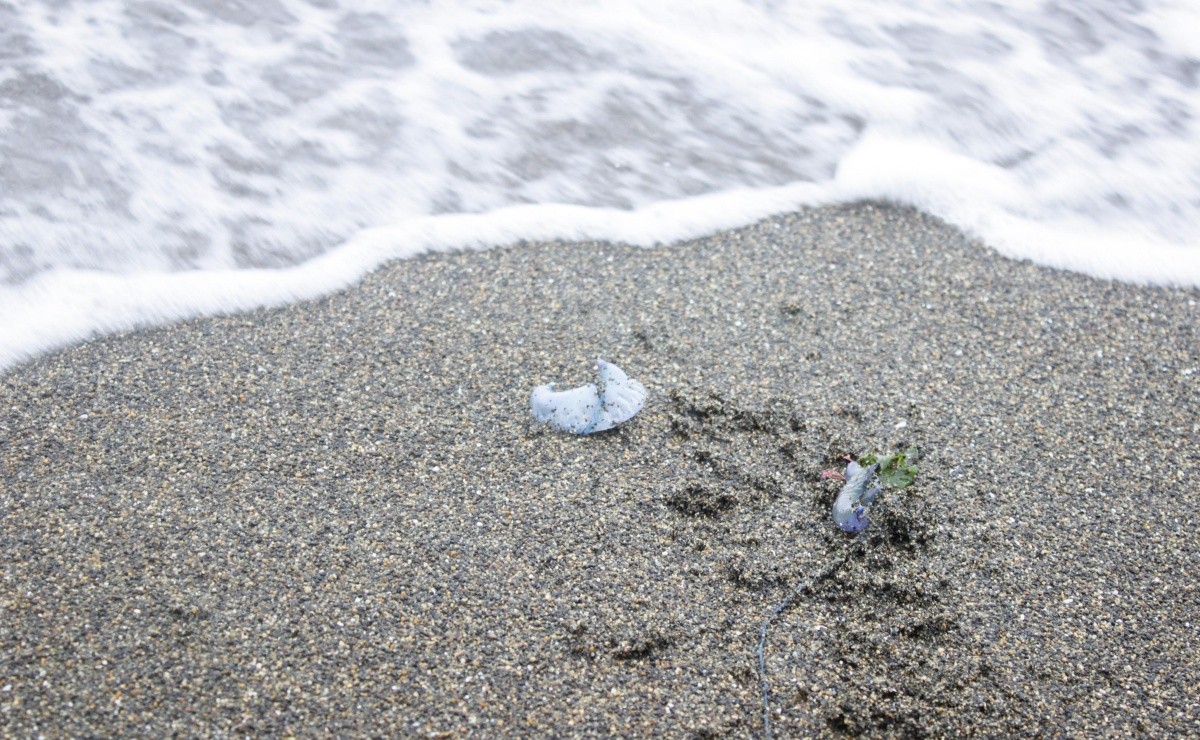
x: 593, y: 407
x: 855, y: 499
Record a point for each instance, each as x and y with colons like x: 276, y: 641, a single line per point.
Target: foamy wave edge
x: 65, y: 307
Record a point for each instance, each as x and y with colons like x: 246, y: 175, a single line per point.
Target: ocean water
x: 160, y: 160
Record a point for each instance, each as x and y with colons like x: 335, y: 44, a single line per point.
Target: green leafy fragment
x: 898, y: 470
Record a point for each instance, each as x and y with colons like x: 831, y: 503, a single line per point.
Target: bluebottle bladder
x: 853, y: 503
x: 591, y: 408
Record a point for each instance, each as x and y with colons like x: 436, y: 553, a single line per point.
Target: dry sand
x: 339, y: 517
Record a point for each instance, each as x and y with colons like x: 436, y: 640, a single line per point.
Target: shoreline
x: 337, y: 516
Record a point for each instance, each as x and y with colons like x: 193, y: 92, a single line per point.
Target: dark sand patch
x: 338, y: 517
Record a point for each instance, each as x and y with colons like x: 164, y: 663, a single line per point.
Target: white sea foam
x: 161, y: 160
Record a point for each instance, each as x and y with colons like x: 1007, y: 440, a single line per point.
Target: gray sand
x: 338, y: 517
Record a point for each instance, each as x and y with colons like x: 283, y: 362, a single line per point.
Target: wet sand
x: 339, y: 517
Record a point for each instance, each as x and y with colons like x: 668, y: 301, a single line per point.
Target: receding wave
x: 149, y: 145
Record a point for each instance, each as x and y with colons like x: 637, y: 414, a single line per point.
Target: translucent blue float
x: 591, y: 408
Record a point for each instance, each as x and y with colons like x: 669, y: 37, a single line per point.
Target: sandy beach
x: 340, y: 518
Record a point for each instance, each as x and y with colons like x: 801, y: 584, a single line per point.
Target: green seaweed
x: 897, y: 470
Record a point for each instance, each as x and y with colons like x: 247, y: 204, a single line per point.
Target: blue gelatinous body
x: 593, y: 407
x: 855, y: 499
